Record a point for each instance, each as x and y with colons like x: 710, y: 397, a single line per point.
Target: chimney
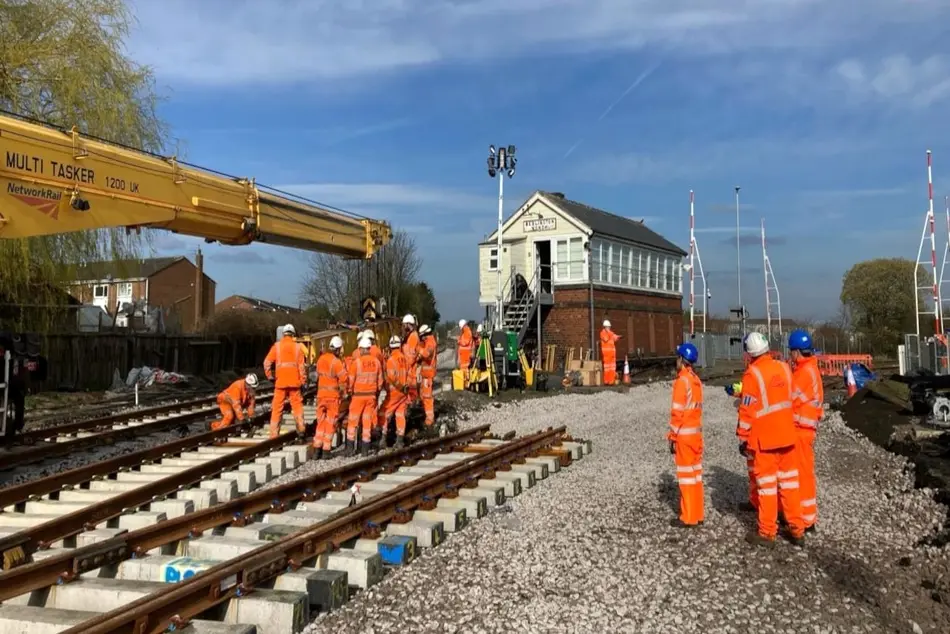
x: 557, y: 195
x: 199, y: 287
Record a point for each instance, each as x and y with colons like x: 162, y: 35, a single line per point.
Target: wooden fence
x: 88, y: 361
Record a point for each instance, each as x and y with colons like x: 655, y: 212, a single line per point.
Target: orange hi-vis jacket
x: 332, y: 378
x: 375, y: 351
x: 608, y: 344
x: 686, y: 412
x: 367, y: 376
x: 466, y: 343
x: 397, y: 370
x: 808, y: 394
x: 410, y: 348
x: 239, y: 397
x: 428, y: 356
x: 285, y: 364
x: 765, y: 413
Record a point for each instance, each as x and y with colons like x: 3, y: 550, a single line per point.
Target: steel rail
x: 17, y: 547
x: 181, y: 602
x: 37, y: 453
x: 69, y: 565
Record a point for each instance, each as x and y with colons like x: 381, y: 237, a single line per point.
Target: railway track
x: 265, y: 560
x: 38, y: 445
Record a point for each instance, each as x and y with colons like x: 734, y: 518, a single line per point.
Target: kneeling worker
x: 686, y: 437
x: 234, y: 400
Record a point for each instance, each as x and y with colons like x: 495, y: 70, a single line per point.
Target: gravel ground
x: 591, y: 550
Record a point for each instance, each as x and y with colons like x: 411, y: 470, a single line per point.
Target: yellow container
x: 458, y: 380
x: 529, y: 376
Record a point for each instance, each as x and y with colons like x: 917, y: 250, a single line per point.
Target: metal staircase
x: 520, y: 306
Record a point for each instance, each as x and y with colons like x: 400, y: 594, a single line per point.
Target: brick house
x: 168, y: 282
x: 242, y: 302
x: 585, y: 265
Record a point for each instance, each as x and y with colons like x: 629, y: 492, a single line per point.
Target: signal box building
x: 577, y: 265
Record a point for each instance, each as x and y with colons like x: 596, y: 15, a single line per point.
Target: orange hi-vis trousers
x: 806, y: 476
x: 428, y: 399
x: 328, y: 411
x: 227, y: 414
x: 689, y: 475
x: 776, y: 475
x: 362, y: 410
x: 396, y: 404
x: 295, y: 397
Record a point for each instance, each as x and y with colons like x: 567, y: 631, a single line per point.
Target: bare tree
x: 339, y: 284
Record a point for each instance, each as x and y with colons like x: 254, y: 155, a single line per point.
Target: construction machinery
x: 58, y: 180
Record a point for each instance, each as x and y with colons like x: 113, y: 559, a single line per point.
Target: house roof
x: 262, y: 304
x: 125, y: 269
x: 610, y: 224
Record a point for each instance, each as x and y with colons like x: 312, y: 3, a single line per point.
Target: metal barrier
x: 834, y: 364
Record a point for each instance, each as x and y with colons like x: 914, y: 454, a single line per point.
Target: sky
x: 820, y: 112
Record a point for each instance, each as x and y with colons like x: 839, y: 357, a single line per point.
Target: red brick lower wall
x: 647, y: 323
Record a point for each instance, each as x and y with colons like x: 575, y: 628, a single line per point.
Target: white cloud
x: 898, y: 79
x: 225, y: 42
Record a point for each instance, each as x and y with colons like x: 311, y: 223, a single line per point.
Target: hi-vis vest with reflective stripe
x: 367, y: 375
x: 765, y: 414
x: 686, y: 413
x: 331, y: 376
x: 808, y: 394
x: 287, y: 360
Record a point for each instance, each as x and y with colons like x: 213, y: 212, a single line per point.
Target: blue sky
x: 822, y: 113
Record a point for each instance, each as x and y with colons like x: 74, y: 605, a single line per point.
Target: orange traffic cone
x: 850, y: 382
x: 626, y: 371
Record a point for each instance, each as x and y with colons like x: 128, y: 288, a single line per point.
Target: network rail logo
x: 43, y: 199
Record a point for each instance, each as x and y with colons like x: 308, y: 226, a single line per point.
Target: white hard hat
x: 395, y: 341
x: 606, y: 323
x: 756, y: 344
x: 289, y: 329
x: 409, y: 319
x: 424, y: 330
x: 336, y: 343
x: 462, y: 323
x: 365, y: 344
x: 251, y: 380
x: 369, y: 334
x: 480, y: 328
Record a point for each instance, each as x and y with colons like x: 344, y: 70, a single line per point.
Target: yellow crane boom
x: 57, y: 181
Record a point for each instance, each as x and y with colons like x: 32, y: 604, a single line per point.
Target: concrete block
x: 576, y: 449
x: 475, y: 507
x: 295, y: 518
x: 83, y: 495
x: 420, y: 470
x: 220, y: 547
x: 17, y: 619
x: 453, y: 519
x: 362, y: 569
x: 172, y: 508
x: 399, y: 478
x: 251, y: 531
x: 23, y: 520
x: 201, y: 498
x: 291, y: 458
x: 261, y: 472
x: 300, y: 450
x: 323, y: 506
x: 87, y: 538
x: 428, y: 534
x: 396, y: 550
x: 526, y: 478
x: 114, y: 486
x: 276, y: 464
x: 140, y: 519
x: 210, y: 449
x: 330, y: 590
x: 271, y: 611
x: 225, y: 489
x: 53, y: 507
x: 185, y: 463
x: 553, y: 464
x: 246, y: 481
x: 494, y: 494
x: 453, y: 457
x: 512, y: 487
x: 138, y: 476
x: 539, y: 471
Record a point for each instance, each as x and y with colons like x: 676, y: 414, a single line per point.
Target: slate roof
x: 263, y: 304
x: 125, y: 269
x: 609, y: 224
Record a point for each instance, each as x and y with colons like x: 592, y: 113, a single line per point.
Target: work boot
x: 755, y: 539
x: 381, y: 444
x: 678, y: 523
x: 796, y: 541
x: 327, y: 455
x: 811, y: 529
x: 300, y: 433
x: 364, y: 448
x: 400, y: 443
x: 350, y: 449
x: 317, y: 453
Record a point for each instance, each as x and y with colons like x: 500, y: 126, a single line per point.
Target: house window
x: 570, y: 259
x: 625, y: 279
x: 100, y: 291
x: 124, y: 290
x: 596, y: 261
x: 493, y: 259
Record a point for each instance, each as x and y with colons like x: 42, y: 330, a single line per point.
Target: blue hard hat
x: 688, y: 351
x: 799, y: 340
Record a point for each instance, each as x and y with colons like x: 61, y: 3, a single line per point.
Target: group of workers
x: 405, y: 374
x: 779, y: 411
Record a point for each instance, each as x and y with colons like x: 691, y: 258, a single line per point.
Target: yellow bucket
x: 458, y: 380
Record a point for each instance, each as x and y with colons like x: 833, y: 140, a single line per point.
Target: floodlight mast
x: 501, y: 162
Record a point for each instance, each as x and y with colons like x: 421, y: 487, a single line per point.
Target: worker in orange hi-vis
x: 233, y: 401
x: 374, y: 349
x: 428, y: 358
x: 285, y: 365
x: 686, y: 437
x: 808, y: 398
x: 766, y: 431
x: 332, y: 383
x: 608, y: 353
x: 465, y: 344
x: 365, y: 382
x: 396, y: 401
x: 410, y: 348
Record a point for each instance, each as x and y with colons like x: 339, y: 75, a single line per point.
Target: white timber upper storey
x: 576, y: 244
